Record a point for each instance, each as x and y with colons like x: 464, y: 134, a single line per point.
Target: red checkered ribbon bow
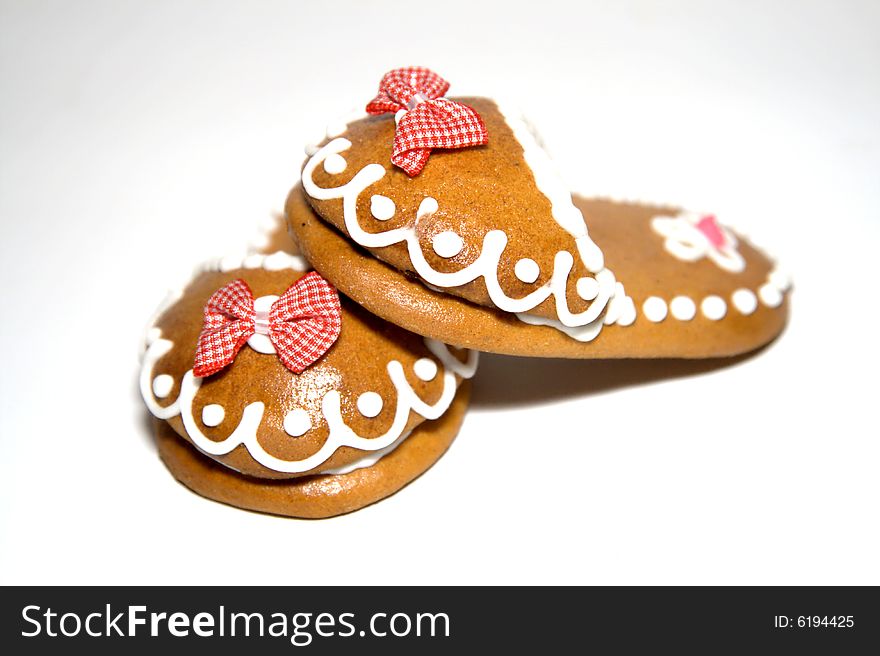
x: 302, y: 324
x: 430, y: 121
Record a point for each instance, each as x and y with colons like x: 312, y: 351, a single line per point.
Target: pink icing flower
x: 691, y: 236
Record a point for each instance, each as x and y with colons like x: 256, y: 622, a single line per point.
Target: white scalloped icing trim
x: 245, y: 433
x: 486, y: 264
x: 340, y: 434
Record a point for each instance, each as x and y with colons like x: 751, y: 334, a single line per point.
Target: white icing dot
x: 382, y: 207
x: 713, y: 307
x: 770, y: 295
x: 369, y: 404
x: 447, y: 244
x: 253, y: 261
x: 427, y: 207
x: 628, y: 314
x: 399, y: 115
x: 654, y: 308
x: 162, y: 385
x: 279, y: 261
x: 297, y: 422
x: 527, y: 270
x: 229, y: 263
x: 335, y: 163
x: 745, y: 301
x: 212, y: 415
x: 683, y: 308
x: 587, y: 288
x: 779, y: 279
x: 425, y: 368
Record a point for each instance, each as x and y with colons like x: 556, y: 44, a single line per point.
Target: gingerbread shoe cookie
x: 264, y: 369
x: 487, y: 227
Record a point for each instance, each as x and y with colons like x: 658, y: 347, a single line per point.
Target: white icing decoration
x: 621, y: 309
x: 527, y: 270
x: 713, y: 307
x: 494, y: 242
x: 381, y: 207
x: 745, y: 301
x: 687, y: 242
x: 684, y: 241
x: 773, y: 291
x: 427, y: 207
x: 366, y: 460
x: 335, y: 164
x: 779, y: 279
x: 152, y: 333
x: 339, y: 432
x: 580, y: 333
x: 229, y: 262
x: 654, y: 309
x: 156, y: 348
x: 334, y: 128
x: 280, y: 260
x: 683, y: 308
x: 587, y: 288
x: 425, y: 369
x: 624, y: 310
x: 369, y: 404
x: 253, y: 261
x: 277, y: 261
x: 162, y: 385
x: 447, y: 244
x: 260, y: 342
x: 770, y: 295
x: 297, y: 422
x: 629, y: 314
x: 213, y: 414
x: 551, y: 184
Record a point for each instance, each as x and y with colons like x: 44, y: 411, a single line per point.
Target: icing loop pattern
x: 487, y: 263
x: 340, y: 433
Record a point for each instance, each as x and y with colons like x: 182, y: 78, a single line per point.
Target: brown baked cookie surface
x: 494, y: 226
x: 676, y: 308
x: 318, y: 496
x: 359, y: 399
x: 469, y: 222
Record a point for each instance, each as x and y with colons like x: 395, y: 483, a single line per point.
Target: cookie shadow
x: 507, y: 381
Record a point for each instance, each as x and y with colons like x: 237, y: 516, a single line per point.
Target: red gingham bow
x: 430, y: 122
x: 302, y: 324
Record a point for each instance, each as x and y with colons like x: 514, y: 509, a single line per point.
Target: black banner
x: 704, y: 620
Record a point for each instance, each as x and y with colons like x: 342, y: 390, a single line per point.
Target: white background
x: 137, y: 138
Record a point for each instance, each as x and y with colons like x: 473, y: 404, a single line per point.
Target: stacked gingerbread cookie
x: 446, y: 229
